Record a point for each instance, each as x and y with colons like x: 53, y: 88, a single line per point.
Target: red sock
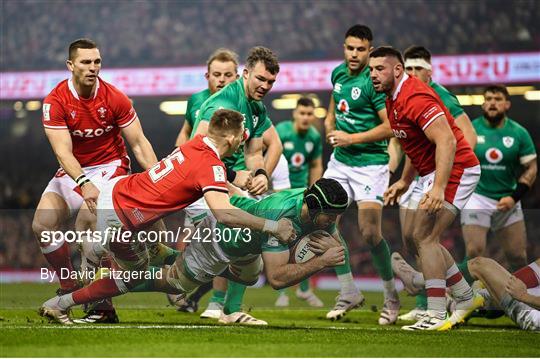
x: 97, y: 290
x: 527, y: 276
x: 58, y: 259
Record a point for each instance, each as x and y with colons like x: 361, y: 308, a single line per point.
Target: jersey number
x: 157, y: 172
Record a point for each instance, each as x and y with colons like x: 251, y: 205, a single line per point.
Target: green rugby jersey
x: 299, y: 150
x: 283, y: 204
x: 449, y: 99
x: 500, y: 152
x: 233, y: 97
x: 194, y: 105
x: 356, y: 109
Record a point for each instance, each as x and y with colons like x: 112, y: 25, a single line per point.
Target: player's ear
x: 206, y: 76
x: 245, y: 73
x: 69, y: 65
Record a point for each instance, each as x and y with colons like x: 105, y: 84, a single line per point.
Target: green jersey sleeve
x: 377, y: 99
x: 527, y: 151
x: 190, y: 118
x: 263, y: 124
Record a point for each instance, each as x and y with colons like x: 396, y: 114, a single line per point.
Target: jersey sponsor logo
x: 46, y: 112
x: 309, y: 146
x: 355, y: 93
x: 494, y: 155
x: 297, y: 159
x: 90, y: 132
x: 219, y: 174
x: 102, y: 111
x: 508, y: 141
x: 343, y: 106
x: 288, y: 145
x: 337, y: 88
x: 399, y: 133
x: 480, y: 139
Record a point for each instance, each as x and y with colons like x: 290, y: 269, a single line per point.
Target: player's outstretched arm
x: 234, y: 217
x: 183, y: 135
x: 282, y: 274
x: 465, y: 125
x: 62, y: 146
x: 274, y: 149
x: 142, y: 149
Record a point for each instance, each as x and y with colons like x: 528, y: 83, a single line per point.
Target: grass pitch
x: 151, y: 328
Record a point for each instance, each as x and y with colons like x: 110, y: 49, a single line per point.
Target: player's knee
x: 477, y: 265
x: 370, y: 235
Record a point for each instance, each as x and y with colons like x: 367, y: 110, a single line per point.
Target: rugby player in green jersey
x: 357, y: 127
x: 504, y: 147
x: 418, y: 63
x: 302, y: 148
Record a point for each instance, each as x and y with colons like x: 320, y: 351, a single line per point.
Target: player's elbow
x: 276, y: 283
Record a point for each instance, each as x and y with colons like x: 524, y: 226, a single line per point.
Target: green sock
x: 464, y: 269
x: 282, y: 291
x: 148, y: 284
x: 381, y: 260
x: 218, y: 296
x: 345, y: 267
x: 234, y: 297
x: 304, y: 285
x: 163, y: 255
x: 421, y: 300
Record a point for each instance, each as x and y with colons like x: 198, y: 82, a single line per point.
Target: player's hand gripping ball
x: 314, y: 244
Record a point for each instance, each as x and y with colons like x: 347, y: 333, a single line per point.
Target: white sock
x: 66, y: 301
x: 436, y: 303
x: 347, y: 283
x: 461, y: 291
x: 389, y: 288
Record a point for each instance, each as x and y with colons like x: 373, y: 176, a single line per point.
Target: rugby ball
x: 301, y: 252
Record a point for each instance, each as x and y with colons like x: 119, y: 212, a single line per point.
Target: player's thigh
x: 475, y: 238
x: 429, y: 227
x: 85, y: 219
x: 52, y: 210
x: 513, y: 239
x: 369, y: 221
x: 247, y: 270
x: 492, y: 274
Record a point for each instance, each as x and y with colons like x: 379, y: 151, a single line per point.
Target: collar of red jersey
x: 74, y: 92
x: 405, y: 77
x: 211, y: 145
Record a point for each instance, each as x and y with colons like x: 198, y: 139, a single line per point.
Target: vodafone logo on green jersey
x: 298, y: 159
x: 494, y: 155
x: 343, y: 106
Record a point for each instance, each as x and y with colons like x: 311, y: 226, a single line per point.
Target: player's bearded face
x: 220, y: 74
x: 258, y: 81
x: 304, y: 117
x: 382, y: 74
x: 495, y: 106
x: 356, y: 53
x: 85, y: 66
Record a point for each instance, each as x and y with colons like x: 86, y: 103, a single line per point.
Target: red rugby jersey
x: 412, y: 108
x: 94, y: 123
x: 172, y: 184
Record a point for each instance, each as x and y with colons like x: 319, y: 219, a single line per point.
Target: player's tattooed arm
x: 62, y: 146
x: 142, y: 149
x: 282, y: 274
x: 274, y: 149
x: 528, y: 177
x: 465, y: 125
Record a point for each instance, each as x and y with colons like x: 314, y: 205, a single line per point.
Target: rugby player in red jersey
x: 135, y: 202
x: 84, y: 119
x: 449, y: 172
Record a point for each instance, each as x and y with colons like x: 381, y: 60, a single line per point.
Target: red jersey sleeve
x: 212, y: 176
x: 53, y: 114
x: 423, y: 109
x: 123, y: 109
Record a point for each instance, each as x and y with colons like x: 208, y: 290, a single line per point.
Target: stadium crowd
x: 171, y: 33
